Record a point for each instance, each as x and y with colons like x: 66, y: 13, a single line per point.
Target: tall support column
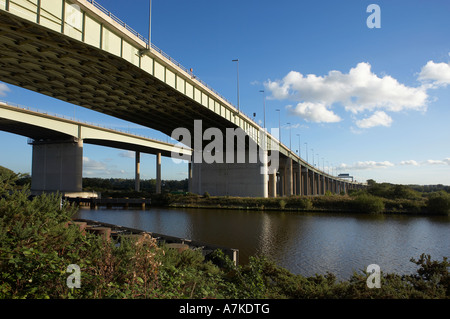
x: 226, y: 176
x: 137, y: 172
x: 264, y: 173
x: 323, y: 185
x: 306, y: 188
x: 158, y: 173
x: 281, y: 184
x: 294, y: 181
x: 273, y: 185
x: 190, y: 177
x: 319, y: 187
x: 317, y: 184
x: 299, y: 180
x: 289, y: 177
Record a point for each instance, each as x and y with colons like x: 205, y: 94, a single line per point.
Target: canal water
x: 303, y: 243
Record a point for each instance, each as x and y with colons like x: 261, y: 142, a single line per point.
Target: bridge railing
x: 73, y: 119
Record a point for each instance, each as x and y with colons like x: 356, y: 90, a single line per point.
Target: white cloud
x: 128, y: 154
x: 4, y: 89
x: 314, y: 112
x: 409, y: 162
x: 438, y: 162
x: 90, y: 165
x: 366, y: 165
x: 379, y: 118
x: 357, y: 91
x: 437, y: 74
x: 100, y: 168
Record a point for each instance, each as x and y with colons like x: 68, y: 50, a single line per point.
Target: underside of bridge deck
x: 51, y: 63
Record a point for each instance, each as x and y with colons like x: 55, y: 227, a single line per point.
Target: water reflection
x: 304, y: 243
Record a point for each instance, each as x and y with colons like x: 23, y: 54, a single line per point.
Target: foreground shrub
x: 439, y: 203
x: 368, y: 204
x: 37, y: 245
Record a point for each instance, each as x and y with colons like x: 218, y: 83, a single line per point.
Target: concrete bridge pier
x: 298, y: 180
x: 305, y: 187
x: 57, y: 166
x: 137, y: 178
x: 241, y: 178
x: 158, y: 173
x: 273, y: 185
x: 312, y: 183
x: 288, y: 173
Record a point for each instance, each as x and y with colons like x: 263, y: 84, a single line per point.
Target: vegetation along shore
x: 37, y: 243
x: 376, y: 198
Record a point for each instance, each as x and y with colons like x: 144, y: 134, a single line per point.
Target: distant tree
x: 371, y: 182
x: 439, y: 202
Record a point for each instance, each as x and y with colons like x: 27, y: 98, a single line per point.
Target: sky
x: 366, y: 90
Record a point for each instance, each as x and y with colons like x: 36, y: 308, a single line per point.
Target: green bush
x: 369, y: 204
x: 439, y: 203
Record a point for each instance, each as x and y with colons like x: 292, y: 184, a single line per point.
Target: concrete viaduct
x: 57, y: 161
x: 78, y: 52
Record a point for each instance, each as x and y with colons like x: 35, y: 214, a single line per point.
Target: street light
x: 237, y: 60
x: 289, y: 125
x: 313, y: 155
x: 306, y: 152
x: 150, y: 26
x: 299, y: 150
x: 264, y: 107
x: 279, y: 123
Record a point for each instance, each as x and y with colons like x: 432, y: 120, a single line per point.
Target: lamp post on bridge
x: 290, y: 140
x: 306, y: 152
x: 299, y: 144
x: 264, y: 107
x: 237, y: 61
x: 150, y: 26
x: 279, y: 124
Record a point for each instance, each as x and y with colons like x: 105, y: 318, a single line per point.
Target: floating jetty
x: 109, y: 202
x: 180, y: 244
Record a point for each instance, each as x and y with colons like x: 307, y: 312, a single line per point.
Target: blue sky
x: 371, y: 102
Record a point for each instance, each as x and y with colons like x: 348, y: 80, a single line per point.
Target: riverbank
x: 39, y: 243
x: 357, y: 203
x: 41, y: 250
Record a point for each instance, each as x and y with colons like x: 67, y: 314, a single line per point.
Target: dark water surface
x: 304, y: 243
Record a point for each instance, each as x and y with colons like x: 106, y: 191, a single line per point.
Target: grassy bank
x: 357, y: 202
x: 376, y: 198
